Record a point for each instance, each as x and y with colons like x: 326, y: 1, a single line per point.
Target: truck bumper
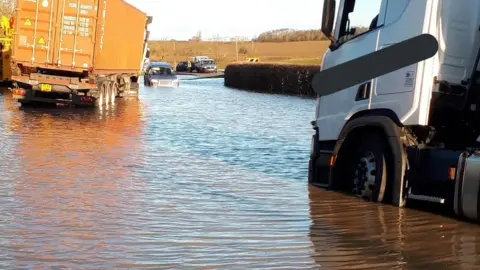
x: 28, y: 95
x: 55, y: 90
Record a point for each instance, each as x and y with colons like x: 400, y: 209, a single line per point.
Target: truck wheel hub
x: 364, y: 176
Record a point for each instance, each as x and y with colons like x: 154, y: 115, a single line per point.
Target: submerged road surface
x: 197, y: 177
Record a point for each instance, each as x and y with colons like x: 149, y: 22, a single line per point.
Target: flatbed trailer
x: 77, y: 52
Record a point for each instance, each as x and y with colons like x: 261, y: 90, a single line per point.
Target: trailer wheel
x: 115, y: 90
x: 111, y: 93
x: 362, y: 166
x: 107, y: 92
x: 102, y: 94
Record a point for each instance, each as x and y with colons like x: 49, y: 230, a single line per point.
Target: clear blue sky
x: 182, y: 19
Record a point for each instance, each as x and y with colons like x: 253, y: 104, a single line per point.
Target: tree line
x: 289, y: 35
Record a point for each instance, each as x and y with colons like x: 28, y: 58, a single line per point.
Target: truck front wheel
x: 361, y: 166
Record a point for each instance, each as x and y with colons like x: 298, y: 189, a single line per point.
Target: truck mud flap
x: 320, y: 169
x: 319, y: 164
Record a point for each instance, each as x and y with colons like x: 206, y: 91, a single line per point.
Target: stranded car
x: 160, y: 74
x: 207, y: 65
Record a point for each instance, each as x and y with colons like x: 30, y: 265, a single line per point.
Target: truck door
x: 396, y: 90
x: 357, y: 30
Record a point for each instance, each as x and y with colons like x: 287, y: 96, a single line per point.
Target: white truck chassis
x: 411, y: 134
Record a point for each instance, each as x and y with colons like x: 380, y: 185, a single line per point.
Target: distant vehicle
x: 200, y: 58
x: 198, y: 64
x: 253, y: 60
x: 206, y: 66
x: 197, y: 61
x: 182, y: 66
x: 160, y: 74
x: 72, y: 59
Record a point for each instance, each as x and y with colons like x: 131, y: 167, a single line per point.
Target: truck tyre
x: 102, y: 94
x: 111, y: 93
x: 116, y: 90
x: 361, y: 166
x: 108, y: 91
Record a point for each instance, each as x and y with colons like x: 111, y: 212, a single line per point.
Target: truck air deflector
x: 372, y: 65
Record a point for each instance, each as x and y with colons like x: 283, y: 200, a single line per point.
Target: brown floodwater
x: 199, y: 177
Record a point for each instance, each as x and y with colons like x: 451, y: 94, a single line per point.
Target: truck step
x: 425, y: 198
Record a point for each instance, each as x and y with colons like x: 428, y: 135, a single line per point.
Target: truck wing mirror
x: 352, y: 31
x: 327, y: 19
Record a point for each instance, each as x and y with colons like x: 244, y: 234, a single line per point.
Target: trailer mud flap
x: 134, y: 86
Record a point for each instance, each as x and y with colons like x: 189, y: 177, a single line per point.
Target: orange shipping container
x: 99, y: 36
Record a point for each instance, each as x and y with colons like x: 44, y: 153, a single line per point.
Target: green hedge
x: 272, y: 78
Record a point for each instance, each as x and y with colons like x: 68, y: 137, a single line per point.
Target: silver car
x: 206, y: 66
x: 160, y: 74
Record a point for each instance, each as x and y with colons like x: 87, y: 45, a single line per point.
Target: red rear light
x: 332, y: 161
x: 451, y: 173
x: 86, y: 99
x: 19, y: 92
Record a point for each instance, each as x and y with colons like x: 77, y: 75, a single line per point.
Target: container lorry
x: 411, y: 134
x: 77, y: 52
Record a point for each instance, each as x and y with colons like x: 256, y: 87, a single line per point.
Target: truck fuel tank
x: 467, y: 186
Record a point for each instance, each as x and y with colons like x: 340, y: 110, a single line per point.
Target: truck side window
x: 363, y: 18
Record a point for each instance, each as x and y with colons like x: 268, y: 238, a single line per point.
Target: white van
x: 200, y: 58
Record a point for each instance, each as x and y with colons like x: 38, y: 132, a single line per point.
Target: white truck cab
x: 409, y: 134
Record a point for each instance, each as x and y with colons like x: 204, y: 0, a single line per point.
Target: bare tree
x: 197, y: 37
x: 216, y: 38
x: 286, y: 35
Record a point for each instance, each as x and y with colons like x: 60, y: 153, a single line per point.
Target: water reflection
x: 75, y: 187
x: 352, y: 234
x: 195, y: 177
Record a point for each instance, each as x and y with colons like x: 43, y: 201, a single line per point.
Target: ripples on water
x: 196, y: 177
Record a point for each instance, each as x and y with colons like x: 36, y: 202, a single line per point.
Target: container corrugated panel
x: 121, y: 48
x: 47, y: 36
x: 79, y: 34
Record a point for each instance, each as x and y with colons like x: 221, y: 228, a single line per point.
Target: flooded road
x: 198, y: 177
